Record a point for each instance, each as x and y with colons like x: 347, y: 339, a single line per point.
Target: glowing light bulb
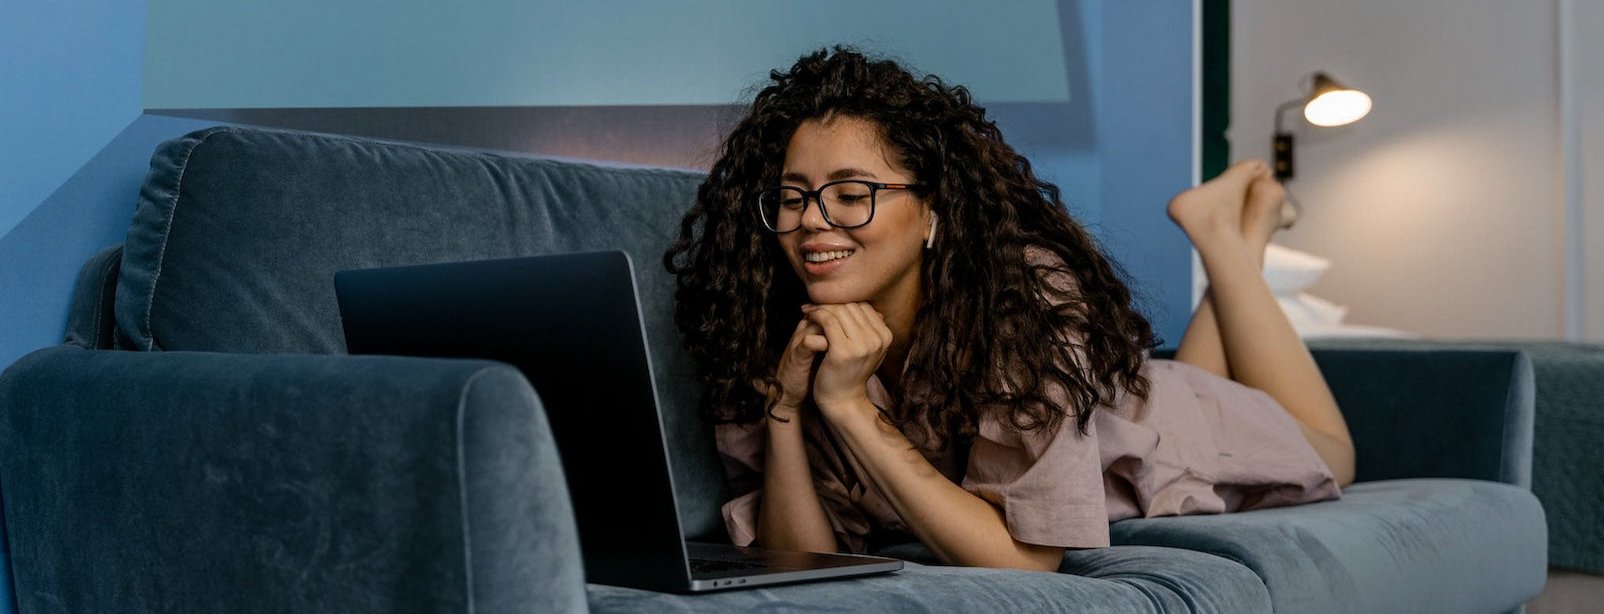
x: 1337, y: 107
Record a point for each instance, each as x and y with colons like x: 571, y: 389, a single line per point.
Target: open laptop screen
x: 571, y: 323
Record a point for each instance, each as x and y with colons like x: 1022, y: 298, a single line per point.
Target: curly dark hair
x: 986, y: 336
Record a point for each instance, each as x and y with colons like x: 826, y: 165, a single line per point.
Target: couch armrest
x: 1436, y: 413
x: 90, y: 319
x: 189, y: 481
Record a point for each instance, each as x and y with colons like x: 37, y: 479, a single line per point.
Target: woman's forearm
x: 791, y: 516
x: 958, y: 526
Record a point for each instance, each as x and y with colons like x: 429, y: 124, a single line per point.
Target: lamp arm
x: 1281, y: 145
x: 1280, y: 111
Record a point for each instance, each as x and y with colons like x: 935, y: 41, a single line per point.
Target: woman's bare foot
x: 1261, y: 215
x: 1217, y: 206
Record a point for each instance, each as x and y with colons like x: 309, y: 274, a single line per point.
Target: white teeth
x: 826, y: 256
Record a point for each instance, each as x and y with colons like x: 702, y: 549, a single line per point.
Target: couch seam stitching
x: 100, y: 296
x: 462, y: 487
x: 1504, y: 474
x: 161, y: 255
x: 1506, y: 471
x: 566, y: 164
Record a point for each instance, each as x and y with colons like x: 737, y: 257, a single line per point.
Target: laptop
x: 572, y: 324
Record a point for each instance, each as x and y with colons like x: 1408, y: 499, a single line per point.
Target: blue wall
x: 1097, y: 93
x: 1145, y: 123
x: 208, y: 54
x: 89, y: 212
x: 69, y: 82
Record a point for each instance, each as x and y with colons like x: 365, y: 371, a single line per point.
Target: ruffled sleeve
x: 1049, y: 485
x: 1048, y: 482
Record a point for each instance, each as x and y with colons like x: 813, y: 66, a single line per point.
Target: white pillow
x: 1289, y: 271
x: 1305, y: 309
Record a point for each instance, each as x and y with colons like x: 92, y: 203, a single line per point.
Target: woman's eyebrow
x: 841, y: 173
x: 845, y: 173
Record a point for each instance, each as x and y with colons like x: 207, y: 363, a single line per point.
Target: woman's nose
x: 813, y: 215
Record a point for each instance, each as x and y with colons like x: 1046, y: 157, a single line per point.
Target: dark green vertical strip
x: 1216, y: 61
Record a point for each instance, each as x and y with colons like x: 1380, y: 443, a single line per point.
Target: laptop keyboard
x: 717, y: 565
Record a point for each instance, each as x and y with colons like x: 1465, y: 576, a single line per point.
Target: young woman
x: 902, y: 331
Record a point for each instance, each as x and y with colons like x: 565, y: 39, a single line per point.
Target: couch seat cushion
x: 1122, y: 579
x: 1417, y: 545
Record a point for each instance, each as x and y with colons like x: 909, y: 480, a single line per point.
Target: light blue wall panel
x: 1144, y: 123
x: 69, y: 80
x: 315, y: 53
x: 90, y: 211
x: 1061, y: 139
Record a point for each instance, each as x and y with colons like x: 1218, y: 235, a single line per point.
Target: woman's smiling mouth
x: 826, y: 256
x: 819, y: 260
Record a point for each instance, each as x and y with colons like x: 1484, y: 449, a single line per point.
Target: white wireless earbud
x: 931, y: 240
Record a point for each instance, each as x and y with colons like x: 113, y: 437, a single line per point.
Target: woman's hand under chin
x: 857, y: 340
x: 796, y: 370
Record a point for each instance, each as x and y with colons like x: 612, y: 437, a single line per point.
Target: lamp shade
x: 1333, y: 104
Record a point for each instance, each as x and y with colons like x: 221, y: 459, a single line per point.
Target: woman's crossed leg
x: 1239, y: 330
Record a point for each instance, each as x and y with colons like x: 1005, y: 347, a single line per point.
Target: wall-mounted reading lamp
x: 1328, y: 103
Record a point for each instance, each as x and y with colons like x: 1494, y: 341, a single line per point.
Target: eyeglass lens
x: 846, y: 204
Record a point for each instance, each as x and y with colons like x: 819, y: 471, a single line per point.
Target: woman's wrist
x: 784, y: 424
x: 783, y: 412
x: 782, y: 409
x: 839, y: 410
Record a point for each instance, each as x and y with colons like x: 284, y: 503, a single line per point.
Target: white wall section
x: 1584, y: 43
x: 1443, y: 211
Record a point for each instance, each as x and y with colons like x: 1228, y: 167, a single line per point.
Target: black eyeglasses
x: 847, y: 203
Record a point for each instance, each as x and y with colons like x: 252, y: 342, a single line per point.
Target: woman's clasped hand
x: 856, y: 340
x: 829, y: 359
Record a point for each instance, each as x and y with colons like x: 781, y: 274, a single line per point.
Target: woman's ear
x: 930, y: 240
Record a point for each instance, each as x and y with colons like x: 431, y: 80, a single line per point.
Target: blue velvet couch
x: 201, y: 442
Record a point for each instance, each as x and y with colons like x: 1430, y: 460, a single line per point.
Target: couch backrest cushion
x: 238, y: 233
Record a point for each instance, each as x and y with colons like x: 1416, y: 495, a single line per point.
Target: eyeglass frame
x: 817, y: 195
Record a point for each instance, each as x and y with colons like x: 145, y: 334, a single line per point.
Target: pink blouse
x: 1199, y: 444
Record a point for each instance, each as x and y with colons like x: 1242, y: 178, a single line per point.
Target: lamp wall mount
x: 1325, y: 103
x: 1282, y: 144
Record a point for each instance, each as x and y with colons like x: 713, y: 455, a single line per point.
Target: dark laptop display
x: 572, y: 324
